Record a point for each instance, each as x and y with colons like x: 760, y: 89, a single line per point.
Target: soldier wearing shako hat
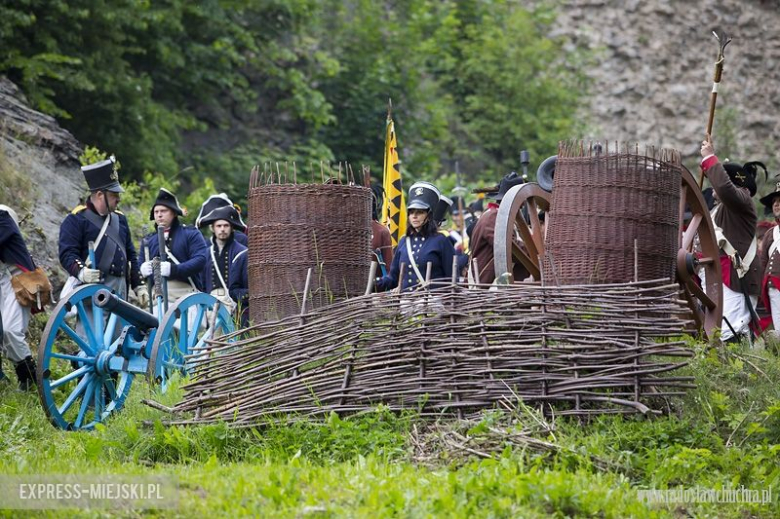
x: 770, y: 259
x: 99, y: 222
x: 226, y: 274
x: 185, y: 248
x: 422, y: 244
x: 735, y: 222
x: 216, y: 202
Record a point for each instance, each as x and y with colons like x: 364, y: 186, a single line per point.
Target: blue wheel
x: 184, y: 329
x: 78, y: 383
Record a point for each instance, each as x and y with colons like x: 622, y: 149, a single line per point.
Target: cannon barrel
x: 141, y: 319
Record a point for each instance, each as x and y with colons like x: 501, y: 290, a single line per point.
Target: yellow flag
x: 394, y: 206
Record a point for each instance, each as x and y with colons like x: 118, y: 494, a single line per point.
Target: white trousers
x: 774, y: 306
x: 16, y: 318
x: 737, y: 312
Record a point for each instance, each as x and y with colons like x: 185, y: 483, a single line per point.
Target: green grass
x: 723, y: 434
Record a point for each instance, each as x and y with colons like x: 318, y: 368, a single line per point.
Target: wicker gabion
x: 615, y: 215
x: 295, y: 227
x: 452, y: 351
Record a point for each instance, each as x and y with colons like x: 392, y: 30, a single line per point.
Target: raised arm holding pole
x: 723, y: 40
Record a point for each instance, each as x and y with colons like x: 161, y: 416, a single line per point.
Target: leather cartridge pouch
x: 32, y: 289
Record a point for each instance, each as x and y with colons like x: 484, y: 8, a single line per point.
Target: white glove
x: 88, y: 275
x: 165, y: 268
x: 146, y: 269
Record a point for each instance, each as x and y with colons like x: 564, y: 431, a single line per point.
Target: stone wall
x: 653, y: 73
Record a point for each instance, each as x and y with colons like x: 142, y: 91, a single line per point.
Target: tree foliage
x: 210, y: 88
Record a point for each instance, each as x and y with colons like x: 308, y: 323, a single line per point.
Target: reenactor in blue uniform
x: 218, y: 201
x: 14, y: 259
x: 186, y: 249
x: 226, y: 274
x: 98, y: 221
x: 422, y: 244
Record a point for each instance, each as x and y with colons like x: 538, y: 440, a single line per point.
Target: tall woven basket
x: 295, y: 227
x: 603, y: 200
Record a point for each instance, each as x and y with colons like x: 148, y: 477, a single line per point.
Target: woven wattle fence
x: 451, y: 350
x: 613, y: 210
x: 298, y: 226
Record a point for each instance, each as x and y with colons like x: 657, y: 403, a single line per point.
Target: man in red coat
x: 483, y: 235
x: 770, y: 259
x: 735, y: 220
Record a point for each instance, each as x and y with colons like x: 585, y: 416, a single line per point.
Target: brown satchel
x: 32, y: 289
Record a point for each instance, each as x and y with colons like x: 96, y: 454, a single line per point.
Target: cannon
x: 521, y: 238
x: 95, y: 344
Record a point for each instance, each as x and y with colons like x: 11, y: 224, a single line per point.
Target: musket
x: 150, y: 279
x: 163, y: 257
x: 460, y: 191
x: 723, y: 40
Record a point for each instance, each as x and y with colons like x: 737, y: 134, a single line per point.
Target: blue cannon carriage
x: 95, y: 344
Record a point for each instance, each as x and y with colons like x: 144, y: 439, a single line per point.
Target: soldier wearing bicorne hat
x: 185, y: 247
x: 226, y: 274
x: 735, y: 222
x: 770, y: 259
x: 215, y: 202
x: 99, y: 221
x: 421, y: 245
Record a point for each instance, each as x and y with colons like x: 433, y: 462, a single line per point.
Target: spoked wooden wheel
x: 81, y: 381
x: 183, y: 331
x: 699, y: 254
x: 511, y: 224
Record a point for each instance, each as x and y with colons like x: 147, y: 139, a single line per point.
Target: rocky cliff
x: 39, y: 174
x: 653, y: 69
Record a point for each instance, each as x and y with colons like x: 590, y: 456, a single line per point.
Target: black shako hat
x: 103, y: 176
x: 423, y: 195
x: 215, y: 202
x: 507, y: 183
x: 457, y: 203
x: 769, y: 199
x: 744, y: 175
x: 443, y: 207
x: 227, y: 213
x: 168, y: 199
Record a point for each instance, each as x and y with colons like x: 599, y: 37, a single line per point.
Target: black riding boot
x: 25, y: 372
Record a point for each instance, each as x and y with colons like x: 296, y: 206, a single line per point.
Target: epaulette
x: 119, y: 212
x: 78, y: 209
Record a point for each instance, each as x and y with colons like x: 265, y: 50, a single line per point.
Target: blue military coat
x: 236, y: 277
x: 76, y: 231
x: 436, y: 249
x: 13, y: 250
x: 188, y: 246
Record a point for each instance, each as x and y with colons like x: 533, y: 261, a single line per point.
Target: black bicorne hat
x: 769, y: 199
x: 443, y: 207
x: 103, y: 176
x: 507, y: 183
x: 423, y: 195
x: 169, y: 200
x: 745, y: 175
x: 215, y: 202
x: 227, y: 213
